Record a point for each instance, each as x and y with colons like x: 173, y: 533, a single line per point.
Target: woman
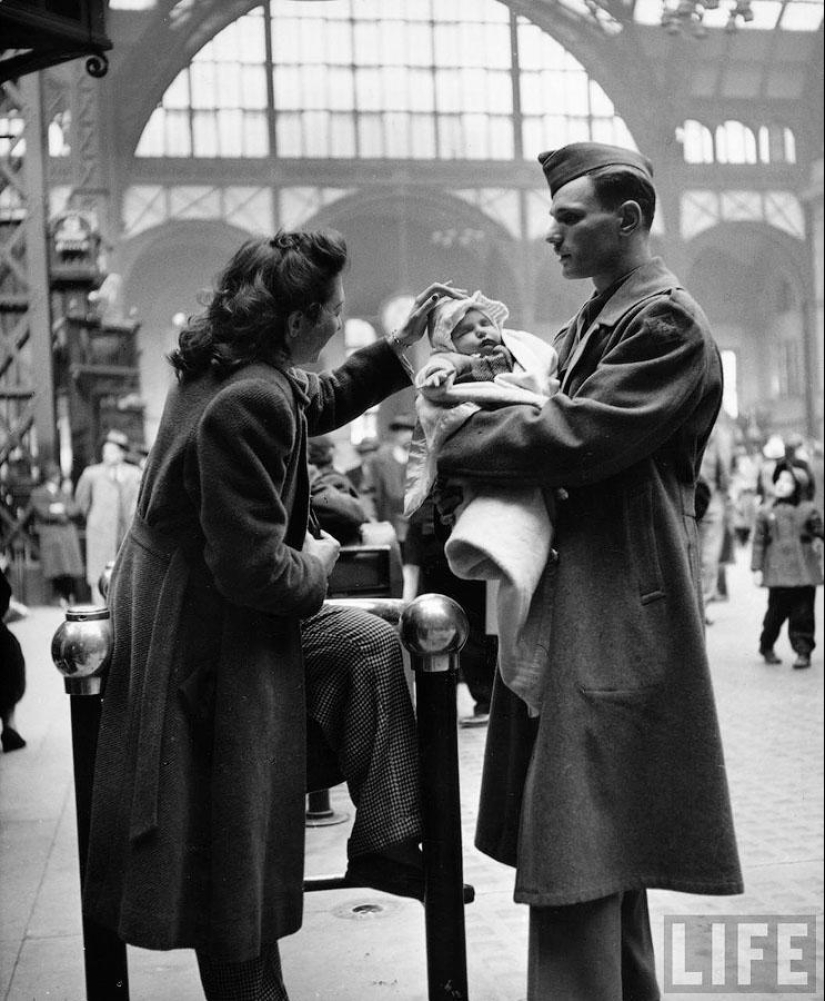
x: 60, y: 558
x: 198, y: 816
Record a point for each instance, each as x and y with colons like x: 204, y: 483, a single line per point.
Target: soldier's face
x: 584, y: 234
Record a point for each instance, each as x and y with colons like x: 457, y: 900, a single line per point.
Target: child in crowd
x: 502, y: 533
x: 787, y: 560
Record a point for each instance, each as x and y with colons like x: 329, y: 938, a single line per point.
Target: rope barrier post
x: 434, y: 628
x: 80, y: 650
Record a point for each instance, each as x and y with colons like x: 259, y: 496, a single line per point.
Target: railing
x: 433, y: 630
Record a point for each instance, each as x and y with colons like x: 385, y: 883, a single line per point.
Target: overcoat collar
x: 649, y: 279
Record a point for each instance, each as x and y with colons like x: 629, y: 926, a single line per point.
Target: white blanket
x: 502, y: 534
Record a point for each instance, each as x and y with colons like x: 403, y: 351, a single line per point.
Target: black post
x: 80, y: 649
x: 434, y: 628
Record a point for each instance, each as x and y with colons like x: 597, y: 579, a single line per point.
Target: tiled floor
x: 772, y: 725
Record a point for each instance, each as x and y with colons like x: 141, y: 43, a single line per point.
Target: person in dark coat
x: 787, y: 559
x: 197, y: 827
x: 55, y: 511
x: 620, y: 784
x: 12, y: 674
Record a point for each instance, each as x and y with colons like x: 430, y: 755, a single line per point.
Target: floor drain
x: 365, y: 910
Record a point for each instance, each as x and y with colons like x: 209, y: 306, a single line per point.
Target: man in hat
x: 106, y: 494
x: 619, y: 785
x: 385, y: 475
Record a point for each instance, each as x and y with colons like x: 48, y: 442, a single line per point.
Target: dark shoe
x: 802, y: 660
x: 398, y: 869
x: 11, y: 740
x: 770, y: 657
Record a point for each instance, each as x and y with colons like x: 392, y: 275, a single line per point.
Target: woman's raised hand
x: 414, y: 326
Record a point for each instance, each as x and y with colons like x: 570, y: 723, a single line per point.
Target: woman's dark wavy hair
x: 264, y: 282
x: 613, y: 186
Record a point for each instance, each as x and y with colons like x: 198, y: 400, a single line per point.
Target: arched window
x: 697, y: 142
x: 735, y: 143
x: 381, y: 79
x: 777, y: 144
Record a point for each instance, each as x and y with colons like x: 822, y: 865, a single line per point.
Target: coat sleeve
x: 366, y: 378
x: 760, y: 541
x: 244, y: 445
x: 644, y: 387
x: 83, y: 493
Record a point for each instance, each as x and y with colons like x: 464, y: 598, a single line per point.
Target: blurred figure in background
x: 787, y: 560
x: 385, y: 473
x: 12, y: 671
x: 773, y: 451
x: 334, y: 499
x: 743, y: 491
x: 715, y: 471
x: 55, y: 509
x: 106, y: 495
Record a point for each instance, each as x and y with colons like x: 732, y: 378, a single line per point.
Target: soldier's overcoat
x: 197, y: 835
x: 621, y: 783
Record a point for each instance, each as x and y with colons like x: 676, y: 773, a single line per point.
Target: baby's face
x: 476, y: 334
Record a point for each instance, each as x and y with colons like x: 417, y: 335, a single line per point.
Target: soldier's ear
x: 630, y: 216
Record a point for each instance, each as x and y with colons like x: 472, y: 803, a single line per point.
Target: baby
x: 502, y: 534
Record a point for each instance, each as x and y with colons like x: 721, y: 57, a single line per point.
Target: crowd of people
x: 233, y: 689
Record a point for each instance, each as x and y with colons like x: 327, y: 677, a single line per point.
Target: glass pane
x: 339, y: 43
x: 419, y: 45
x: 251, y: 47
x: 341, y: 97
x: 177, y: 139
x: 394, y: 43
x: 229, y: 85
x: 256, y: 135
x: 230, y: 133
x: 532, y: 97
x: 287, y: 87
x: 477, y: 137
x: 285, y: 41
x: 423, y: 137
x: 370, y: 136
x: 501, y: 139
x: 446, y: 38
x: 474, y: 97
x: 422, y: 90
x: 204, y: 134
x: 253, y: 87
x: 314, y: 89
x: 316, y: 131
x: 203, y: 85
x: 451, y: 138
x: 311, y: 50
x: 289, y: 135
x: 394, y: 88
x: 367, y: 44
x: 448, y: 90
x: 499, y: 93
x: 368, y: 89
x: 342, y: 129
x: 397, y: 135
x: 600, y: 103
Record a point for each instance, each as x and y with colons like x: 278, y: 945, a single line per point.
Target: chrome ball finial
x: 433, y: 627
x: 81, y: 647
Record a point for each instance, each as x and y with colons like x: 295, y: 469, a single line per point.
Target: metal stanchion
x: 434, y: 628
x: 80, y: 651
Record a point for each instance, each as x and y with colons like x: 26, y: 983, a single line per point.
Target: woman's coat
x: 197, y: 835
x: 621, y: 782
x: 60, y: 554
